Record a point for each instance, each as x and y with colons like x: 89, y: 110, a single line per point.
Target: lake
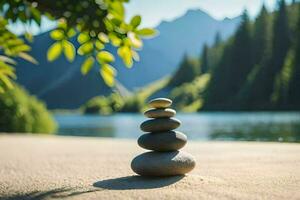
x: 254, y: 126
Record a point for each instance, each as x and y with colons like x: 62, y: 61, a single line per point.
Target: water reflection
x: 200, y: 126
x: 281, y: 132
x: 88, y: 131
x: 120, y: 126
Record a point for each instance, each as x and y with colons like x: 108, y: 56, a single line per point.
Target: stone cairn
x: 164, y: 159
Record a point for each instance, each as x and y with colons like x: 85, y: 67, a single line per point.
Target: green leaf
x: 13, y: 42
x: 28, y: 57
x: 135, y: 56
x: 7, y: 82
x: 108, y: 74
x: 109, y: 25
x: 71, y: 33
x: 126, y: 55
x: 36, y: 15
x: 103, y: 37
x: 136, y: 21
x: 105, y: 57
x: 99, y: 45
x: 6, y: 74
x: 117, y: 10
x: 87, y: 65
x: 54, y: 51
x: 28, y: 37
x: 116, y: 21
x: 7, y: 70
x: 20, y: 48
x: 135, y: 41
x: 146, y: 32
x: 62, y: 24
x: 123, y: 28
x: 69, y: 50
x: 83, y: 37
x: 57, y: 35
x: 22, y: 16
x: 7, y: 60
x: 86, y: 48
x: 115, y: 40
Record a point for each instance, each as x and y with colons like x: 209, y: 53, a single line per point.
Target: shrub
x: 20, y: 112
x: 104, y: 105
x: 132, y: 104
x: 188, y: 97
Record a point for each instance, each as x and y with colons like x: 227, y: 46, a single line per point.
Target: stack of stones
x: 164, y: 159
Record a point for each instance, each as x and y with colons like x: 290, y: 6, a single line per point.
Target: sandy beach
x: 52, y: 167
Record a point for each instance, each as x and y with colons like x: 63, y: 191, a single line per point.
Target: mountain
x: 61, y: 85
x: 162, y: 54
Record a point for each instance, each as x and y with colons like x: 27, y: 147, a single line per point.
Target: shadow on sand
x: 136, y: 182
x: 58, y: 193
x: 122, y: 183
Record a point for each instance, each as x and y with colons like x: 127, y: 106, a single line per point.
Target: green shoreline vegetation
x: 21, y: 112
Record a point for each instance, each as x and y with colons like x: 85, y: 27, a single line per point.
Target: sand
x: 52, y: 167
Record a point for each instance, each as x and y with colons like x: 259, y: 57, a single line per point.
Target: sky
x: 155, y: 11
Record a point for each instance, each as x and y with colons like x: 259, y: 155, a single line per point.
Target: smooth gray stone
x: 160, y: 124
x: 160, y: 103
x: 160, y: 112
x: 165, y: 141
x: 163, y: 163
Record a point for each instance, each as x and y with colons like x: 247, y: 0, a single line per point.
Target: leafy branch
x: 11, y: 47
x: 95, y: 24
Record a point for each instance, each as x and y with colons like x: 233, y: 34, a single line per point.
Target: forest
x: 259, y: 67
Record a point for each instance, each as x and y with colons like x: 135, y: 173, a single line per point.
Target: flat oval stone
x: 165, y: 141
x: 160, y: 112
x: 160, y: 124
x: 163, y: 163
x: 160, y: 103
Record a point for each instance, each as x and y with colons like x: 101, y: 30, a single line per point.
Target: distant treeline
x: 258, y: 68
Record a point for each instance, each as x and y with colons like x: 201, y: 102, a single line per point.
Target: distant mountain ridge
x: 61, y: 85
x: 162, y: 54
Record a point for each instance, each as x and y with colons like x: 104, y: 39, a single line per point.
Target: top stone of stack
x: 160, y: 103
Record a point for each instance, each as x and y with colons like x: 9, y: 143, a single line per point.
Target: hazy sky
x: 154, y: 11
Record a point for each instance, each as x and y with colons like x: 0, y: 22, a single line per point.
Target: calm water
x: 200, y: 126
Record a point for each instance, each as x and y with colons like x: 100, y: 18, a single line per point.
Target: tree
x: 187, y: 71
x: 265, y: 79
x: 218, y: 39
x: 262, y: 35
x: 242, y: 55
x: 281, y: 38
x: 232, y: 71
x: 251, y: 92
x: 216, y: 93
x: 294, y: 84
x: 204, y: 67
x: 97, y: 22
